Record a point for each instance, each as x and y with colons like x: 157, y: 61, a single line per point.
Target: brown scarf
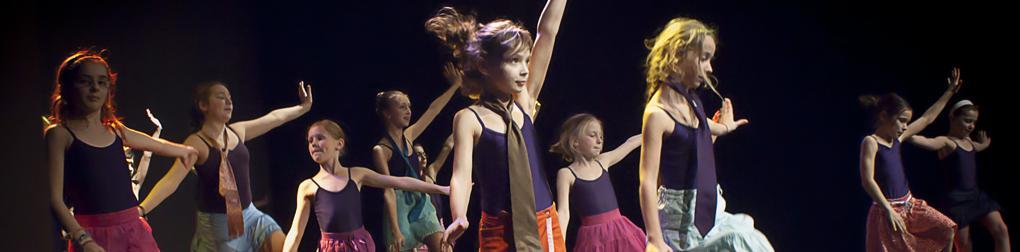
x: 522, y: 195
x: 228, y: 189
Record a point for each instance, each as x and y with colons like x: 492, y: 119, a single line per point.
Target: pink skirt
x: 355, y: 240
x: 927, y: 229
x: 609, y: 231
x: 122, y: 230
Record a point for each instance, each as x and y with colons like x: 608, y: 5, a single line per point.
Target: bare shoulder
x: 57, y: 134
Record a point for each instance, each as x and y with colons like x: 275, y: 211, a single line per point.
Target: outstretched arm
x: 373, y: 179
x: 930, y: 144
x: 254, y: 128
x: 614, y: 156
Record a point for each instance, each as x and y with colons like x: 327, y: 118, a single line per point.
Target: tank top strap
x: 239, y: 139
x: 477, y: 116
x: 571, y: 171
x: 75, y: 137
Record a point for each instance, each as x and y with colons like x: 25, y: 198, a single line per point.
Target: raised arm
x: 440, y: 160
x: 541, y: 53
x: 614, y: 156
x: 454, y: 76
x: 254, y: 128
x: 297, y: 226
x: 933, y: 112
x: 651, y: 134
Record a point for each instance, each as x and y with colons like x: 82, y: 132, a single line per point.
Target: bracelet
x: 143, y: 212
x: 80, y: 239
x: 86, y: 242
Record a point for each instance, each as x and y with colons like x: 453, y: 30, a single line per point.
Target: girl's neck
x: 397, y: 134
x: 213, y: 129
x: 584, y: 162
x: 87, y: 119
x: 886, y: 135
x: 331, y: 166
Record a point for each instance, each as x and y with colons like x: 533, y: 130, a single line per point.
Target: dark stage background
x: 794, y: 69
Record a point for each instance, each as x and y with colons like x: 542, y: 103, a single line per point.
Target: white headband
x: 960, y: 104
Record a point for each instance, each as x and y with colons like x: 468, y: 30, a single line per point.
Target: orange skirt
x: 927, y: 229
x: 496, y: 232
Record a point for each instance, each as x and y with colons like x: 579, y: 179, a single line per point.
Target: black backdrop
x: 794, y: 69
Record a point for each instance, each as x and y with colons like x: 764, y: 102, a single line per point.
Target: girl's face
x: 399, y: 112
x: 218, y: 106
x: 91, y: 87
x: 965, y: 122
x: 899, y: 122
x: 510, y: 75
x: 697, y: 64
x: 589, y: 143
x: 423, y: 160
x: 322, y: 147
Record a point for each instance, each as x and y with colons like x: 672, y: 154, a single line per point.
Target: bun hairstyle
x: 889, y: 105
x: 386, y: 99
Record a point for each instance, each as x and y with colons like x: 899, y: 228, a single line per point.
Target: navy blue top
x: 595, y: 196
x: 97, y: 179
x: 889, y: 171
x: 208, y: 194
x: 961, y: 167
x: 338, y: 212
x: 688, y: 162
x: 491, y: 166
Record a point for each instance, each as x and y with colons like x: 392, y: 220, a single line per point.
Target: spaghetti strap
x: 384, y: 145
x: 477, y: 116
x: 571, y: 171
x: 200, y: 137
x: 600, y: 165
x: 69, y: 131
x: 349, y: 177
x: 316, y: 183
x: 526, y: 114
x: 670, y: 115
x: 239, y: 139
